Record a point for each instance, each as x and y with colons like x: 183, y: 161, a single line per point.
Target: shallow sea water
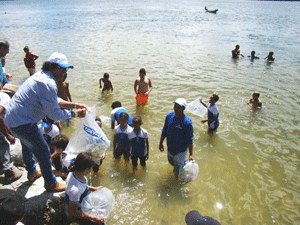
x: 249, y: 169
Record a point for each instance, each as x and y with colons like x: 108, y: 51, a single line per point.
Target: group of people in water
x: 44, y: 98
x: 236, y: 53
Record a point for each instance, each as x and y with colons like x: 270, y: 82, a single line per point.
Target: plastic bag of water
x: 88, y: 137
x: 189, y: 172
x: 99, y: 203
x: 196, y: 108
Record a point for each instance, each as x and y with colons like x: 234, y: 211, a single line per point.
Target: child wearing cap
x: 48, y: 129
x: 212, y: 113
x: 139, y: 144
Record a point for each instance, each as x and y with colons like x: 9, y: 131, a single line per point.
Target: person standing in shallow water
x: 212, y: 113
x: 236, y: 52
x: 178, y: 129
x: 29, y: 60
x: 142, y: 88
x: 35, y: 99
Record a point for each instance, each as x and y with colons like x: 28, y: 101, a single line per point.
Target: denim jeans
x: 34, y: 144
x: 178, y: 161
x: 5, y: 157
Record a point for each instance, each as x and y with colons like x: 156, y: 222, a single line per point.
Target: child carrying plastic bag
x: 88, y: 137
x: 189, y: 172
x: 99, y: 203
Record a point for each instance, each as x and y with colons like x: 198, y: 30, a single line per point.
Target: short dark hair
x: 116, y: 104
x: 106, y: 75
x: 215, y: 97
x: 26, y: 48
x: 84, y: 160
x: 257, y: 94
x: 60, y: 141
x: 4, y: 44
x: 137, y: 119
x: 124, y: 114
x: 142, y: 71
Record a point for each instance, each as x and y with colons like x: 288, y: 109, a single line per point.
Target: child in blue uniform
x: 212, y: 113
x: 139, y: 143
x: 121, y: 141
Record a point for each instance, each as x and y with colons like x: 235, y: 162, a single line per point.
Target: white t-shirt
x: 75, y: 188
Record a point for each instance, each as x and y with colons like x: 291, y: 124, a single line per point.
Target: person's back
x: 117, y: 109
x: 63, y: 90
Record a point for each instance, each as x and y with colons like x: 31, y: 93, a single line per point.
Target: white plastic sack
x: 189, y: 172
x: 99, y: 203
x: 88, y: 137
x: 67, y: 159
x: 196, y: 108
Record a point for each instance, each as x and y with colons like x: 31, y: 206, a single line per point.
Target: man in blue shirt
x: 178, y: 129
x: 36, y: 99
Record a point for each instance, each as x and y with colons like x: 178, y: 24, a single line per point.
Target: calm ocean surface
x: 249, y: 170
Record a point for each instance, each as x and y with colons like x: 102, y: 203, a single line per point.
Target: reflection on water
x: 250, y: 166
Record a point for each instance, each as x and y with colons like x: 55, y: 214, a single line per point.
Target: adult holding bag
x: 35, y: 99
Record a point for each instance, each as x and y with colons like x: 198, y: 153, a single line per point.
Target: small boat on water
x: 210, y: 11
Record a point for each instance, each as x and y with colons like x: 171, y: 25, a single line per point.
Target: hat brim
x: 66, y: 66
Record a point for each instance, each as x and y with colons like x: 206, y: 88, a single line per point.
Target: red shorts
x: 141, y: 99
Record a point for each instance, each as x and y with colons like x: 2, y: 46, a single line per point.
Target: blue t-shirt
x: 179, y: 133
x: 115, y: 115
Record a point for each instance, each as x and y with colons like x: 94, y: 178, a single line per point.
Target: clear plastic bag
x: 99, y: 203
x: 196, y: 108
x: 189, y: 172
x: 88, y: 137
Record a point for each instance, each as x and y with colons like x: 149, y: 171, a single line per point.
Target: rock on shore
x: 42, y: 207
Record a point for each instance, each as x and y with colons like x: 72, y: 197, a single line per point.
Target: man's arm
x: 4, y: 129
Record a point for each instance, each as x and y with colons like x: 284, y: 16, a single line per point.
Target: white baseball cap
x: 61, y: 60
x: 181, y: 102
